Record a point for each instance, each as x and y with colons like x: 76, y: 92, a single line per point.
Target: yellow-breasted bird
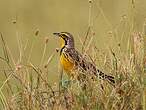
x: 71, y: 59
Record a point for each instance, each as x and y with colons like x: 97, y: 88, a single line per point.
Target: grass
x: 32, y: 91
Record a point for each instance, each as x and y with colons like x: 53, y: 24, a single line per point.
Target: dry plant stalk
x: 138, y: 44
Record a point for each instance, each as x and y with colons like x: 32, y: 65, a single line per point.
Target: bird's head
x: 66, y: 39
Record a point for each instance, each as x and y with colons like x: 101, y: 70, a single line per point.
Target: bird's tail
x: 91, y: 68
x: 104, y: 76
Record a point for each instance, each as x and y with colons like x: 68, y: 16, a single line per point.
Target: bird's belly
x: 66, y: 64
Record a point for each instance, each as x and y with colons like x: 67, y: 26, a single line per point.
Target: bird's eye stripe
x: 64, y: 35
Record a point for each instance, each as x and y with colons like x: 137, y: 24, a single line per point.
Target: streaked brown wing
x: 79, y: 61
x: 86, y: 66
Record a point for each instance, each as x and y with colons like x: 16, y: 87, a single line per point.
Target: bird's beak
x: 57, y: 34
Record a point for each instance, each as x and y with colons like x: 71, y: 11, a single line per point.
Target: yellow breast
x: 66, y: 63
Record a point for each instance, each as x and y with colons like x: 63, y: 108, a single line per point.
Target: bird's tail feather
x: 89, y: 67
x: 104, y: 76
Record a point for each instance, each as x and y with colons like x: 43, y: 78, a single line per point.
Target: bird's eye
x: 64, y: 36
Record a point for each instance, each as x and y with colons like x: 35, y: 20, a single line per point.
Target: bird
x: 71, y: 59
